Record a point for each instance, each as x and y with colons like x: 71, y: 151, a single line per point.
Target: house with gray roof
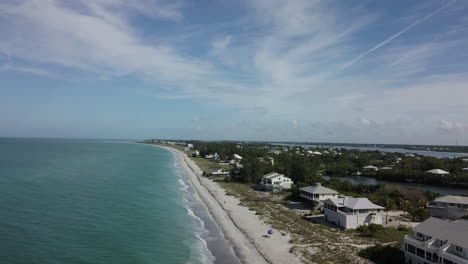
x: 437, y: 241
x: 449, y: 206
x: 350, y: 213
x: 274, y: 181
x: 317, y: 193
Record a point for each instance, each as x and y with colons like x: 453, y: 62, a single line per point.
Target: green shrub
x: 383, y: 254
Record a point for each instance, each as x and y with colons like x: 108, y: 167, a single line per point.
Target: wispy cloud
x: 396, y: 35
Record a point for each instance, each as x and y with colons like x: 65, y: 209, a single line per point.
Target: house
x: 318, y: 193
x: 237, y: 157
x: 465, y: 160
x: 274, y: 151
x: 450, y: 207
x: 386, y: 168
x: 275, y: 182
x: 219, y: 172
x: 465, y: 169
x: 438, y: 171
x: 370, y: 167
x: 197, y: 153
x: 350, y: 213
x: 437, y: 241
x: 410, y: 155
x: 190, y: 146
x: 272, y: 160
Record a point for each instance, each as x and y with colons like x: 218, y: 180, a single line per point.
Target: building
x: 274, y: 151
x: 370, y: 167
x: 450, y: 207
x: 465, y: 169
x: 437, y: 241
x: 275, y: 182
x: 350, y: 213
x: 438, y: 171
x: 219, y: 172
x: 318, y: 193
x: 237, y: 157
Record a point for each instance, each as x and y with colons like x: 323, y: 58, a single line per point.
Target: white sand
x: 240, y: 226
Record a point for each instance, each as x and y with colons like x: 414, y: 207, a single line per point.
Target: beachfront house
x: 317, y: 193
x: 449, y: 206
x: 370, y: 167
x: 350, y: 213
x: 216, y: 172
x: 437, y: 241
x: 438, y: 171
x: 275, y: 182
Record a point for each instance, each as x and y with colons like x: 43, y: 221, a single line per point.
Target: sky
x: 299, y: 70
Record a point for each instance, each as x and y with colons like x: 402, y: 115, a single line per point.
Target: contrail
x: 385, y: 42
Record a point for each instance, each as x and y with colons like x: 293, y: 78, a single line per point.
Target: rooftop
x: 455, y: 232
x: 272, y: 175
x: 452, y: 199
x: 318, y: 189
x: 355, y: 203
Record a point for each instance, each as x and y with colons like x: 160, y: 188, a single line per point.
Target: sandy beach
x: 240, y: 226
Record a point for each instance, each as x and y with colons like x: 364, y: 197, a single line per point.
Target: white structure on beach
x: 450, y: 207
x: 437, y: 241
x: 350, y: 213
x: 438, y: 171
x: 370, y: 167
x: 318, y: 193
x: 219, y: 172
x: 275, y: 182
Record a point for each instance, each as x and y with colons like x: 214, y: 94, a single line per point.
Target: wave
x: 200, y: 253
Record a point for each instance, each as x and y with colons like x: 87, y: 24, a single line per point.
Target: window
x: 435, y: 257
x: 420, y: 252
x: 411, y: 249
x: 428, y: 256
x: 446, y: 261
x: 458, y: 249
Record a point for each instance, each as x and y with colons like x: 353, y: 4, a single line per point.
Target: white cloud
x: 220, y: 44
x: 445, y: 126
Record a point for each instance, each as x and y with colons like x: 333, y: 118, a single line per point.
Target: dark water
x: 75, y: 201
x: 368, y: 180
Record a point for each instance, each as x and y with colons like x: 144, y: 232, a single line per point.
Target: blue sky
x: 299, y: 70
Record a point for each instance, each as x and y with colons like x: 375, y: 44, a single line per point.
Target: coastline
x: 242, y: 228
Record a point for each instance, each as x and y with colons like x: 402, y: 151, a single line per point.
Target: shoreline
x: 240, y: 227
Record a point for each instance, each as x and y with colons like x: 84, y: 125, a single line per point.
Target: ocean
x: 91, y: 201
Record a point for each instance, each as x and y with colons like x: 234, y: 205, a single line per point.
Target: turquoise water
x: 78, y: 201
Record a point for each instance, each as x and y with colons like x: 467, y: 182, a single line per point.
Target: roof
x: 355, y: 203
x: 370, y: 167
x: 452, y: 199
x: 318, y: 189
x: 455, y: 232
x: 237, y: 156
x: 272, y: 175
x: 437, y: 171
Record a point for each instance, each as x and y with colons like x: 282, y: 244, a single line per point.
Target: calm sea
x: 81, y: 201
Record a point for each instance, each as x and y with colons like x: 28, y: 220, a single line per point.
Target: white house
x: 438, y: 171
x: 465, y: 169
x: 275, y: 182
x: 237, y: 157
x: 437, y: 241
x: 219, y: 173
x: 274, y: 151
x: 450, y: 207
x: 350, y: 213
x: 190, y: 146
x: 317, y: 193
x: 465, y: 160
x: 370, y: 167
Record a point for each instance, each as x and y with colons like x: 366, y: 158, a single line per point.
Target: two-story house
x: 275, y: 182
x: 318, y: 193
x: 437, y: 241
x: 450, y: 207
x: 350, y: 213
